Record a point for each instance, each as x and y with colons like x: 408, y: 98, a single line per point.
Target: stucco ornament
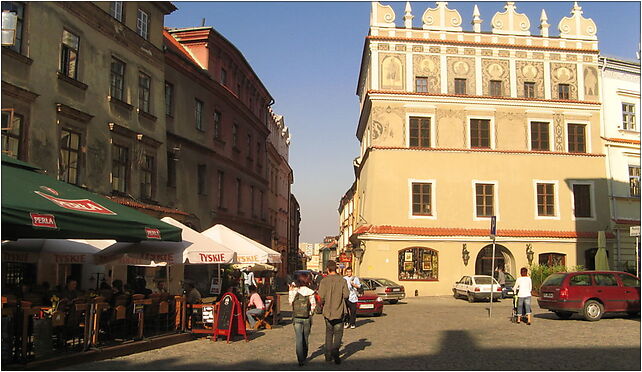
x: 576, y: 26
x: 510, y: 22
x: 382, y: 15
x: 441, y: 18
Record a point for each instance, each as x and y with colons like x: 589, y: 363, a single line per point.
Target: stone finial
x: 477, y: 21
x: 382, y: 15
x: 510, y: 22
x: 576, y: 26
x: 543, y: 25
x: 407, y: 17
x: 441, y: 18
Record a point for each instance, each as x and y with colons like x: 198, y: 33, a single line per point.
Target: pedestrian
x: 523, y: 287
x: 301, y: 297
x: 353, y: 298
x: 255, y: 306
x: 248, y: 280
x: 193, y: 296
x: 333, y: 292
x: 501, y: 277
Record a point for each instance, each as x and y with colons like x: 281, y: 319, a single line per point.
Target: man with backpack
x: 333, y: 291
x: 301, y: 297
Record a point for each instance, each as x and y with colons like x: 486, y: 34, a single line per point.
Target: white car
x: 476, y: 287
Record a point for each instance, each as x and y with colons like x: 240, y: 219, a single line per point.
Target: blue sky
x: 308, y: 55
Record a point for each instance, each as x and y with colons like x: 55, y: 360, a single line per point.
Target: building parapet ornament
x: 544, y: 25
x: 382, y: 15
x: 510, y: 22
x: 576, y: 26
x: 441, y: 18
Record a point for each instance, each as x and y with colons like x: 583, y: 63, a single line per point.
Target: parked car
x: 369, y: 303
x: 386, y: 289
x: 509, y: 283
x: 476, y: 287
x: 590, y: 294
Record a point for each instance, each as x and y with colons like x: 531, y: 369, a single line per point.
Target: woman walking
x: 523, y: 287
x: 301, y: 297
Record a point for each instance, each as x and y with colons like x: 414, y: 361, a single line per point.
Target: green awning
x: 35, y: 205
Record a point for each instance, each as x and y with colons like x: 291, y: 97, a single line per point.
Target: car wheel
x: 394, y: 301
x: 564, y: 314
x: 471, y: 298
x: 593, y: 310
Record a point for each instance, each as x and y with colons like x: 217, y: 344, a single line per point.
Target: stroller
x: 516, y: 314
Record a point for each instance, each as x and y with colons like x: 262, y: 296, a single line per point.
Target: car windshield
x: 554, y: 280
x: 509, y: 278
x: 483, y: 280
x: 387, y: 282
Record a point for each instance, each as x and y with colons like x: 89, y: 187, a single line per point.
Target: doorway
x: 503, y: 259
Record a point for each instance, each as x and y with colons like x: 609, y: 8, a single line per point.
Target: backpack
x: 301, y: 306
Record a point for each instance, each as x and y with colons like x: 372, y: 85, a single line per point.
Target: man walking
x: 351, y: 302
x: 333, y: 292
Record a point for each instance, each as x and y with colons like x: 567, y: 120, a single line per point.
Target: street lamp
x: 358, y: 251
x: 465, y: 255
x: 529, y: 254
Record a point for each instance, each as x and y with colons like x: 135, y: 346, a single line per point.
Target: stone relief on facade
x: 520, y: 54
x: 469, y: 51
x: 504, y: 53
x: 487, y: 52
x: 558, y: 119
x: 451, y: 50
x: 538, y: 55
x: 576, y: 26
x: 383, y: 122
x: 382, y: 15
x: 495, y: 69
x: 555, y: 57
x: 428, y: 66
x: 588, y: 59
x: 392, y: 71
x: 434, y: 49
x: 461, y: 67
x: 591, y: 91
x: 384, y: 47
x: 510, y: 22
x: 564, y: 73
x: 530, y: 72
x: 417, y: 48
x: 571, y: 57
x: 441, y: 18
x: 400, y: 48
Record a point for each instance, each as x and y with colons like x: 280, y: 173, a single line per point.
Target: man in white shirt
x: 353, y: 298
x: 523, y: 287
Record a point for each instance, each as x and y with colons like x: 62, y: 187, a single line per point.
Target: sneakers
x: 352, y: 326
x: 346, y: 325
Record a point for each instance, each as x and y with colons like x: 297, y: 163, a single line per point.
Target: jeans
x: 524, y: 305
x: 302, y: 328
x: 333, y: 335
x: 250, y: 315
x: 351, y: 316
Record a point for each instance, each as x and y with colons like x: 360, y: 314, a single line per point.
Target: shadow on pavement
x: 362, y: 322
x: 354, y: 347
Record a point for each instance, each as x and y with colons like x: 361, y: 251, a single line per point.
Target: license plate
x: 367, y: 306
x: 547, y: 295
x: 396, y: 290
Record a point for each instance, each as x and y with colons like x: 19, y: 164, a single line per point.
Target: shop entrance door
x: 503, y: 259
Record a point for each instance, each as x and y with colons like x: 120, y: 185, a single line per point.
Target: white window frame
x: 495, y: 184
x: 433, y: 199
x: 556, y: 206
x: 629, y: 178
x: 636, y: 121
x: 591, y: 195
x: 491, y: 129
x: 432, y: 127
x: 142, y: 21
x: 116, y: 10
x: 587, y: 134
x: 551, y: 143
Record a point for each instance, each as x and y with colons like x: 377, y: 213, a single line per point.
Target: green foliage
x: 539, y: 273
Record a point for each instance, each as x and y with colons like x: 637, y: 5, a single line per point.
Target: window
x: 552, y: 259
x: 169, y: 99
x: 576, y: 138
x: 119, y: 168
x: 220, y: 191
x: 16, y: 273
x: 564, y: 91
x: 582, y: 200
x: 12, y: 133
x: 628, y: 116
x: 422, y: 199
x: 235, y: 135
x: 238, y: 196
x: 418, y: 264
x: 480, y: 133
x: 529, y: 90
x: 605, y: 280
x: 539, y: 136
x: 69, y: 54
x: 582, y: 280
x: 201, y: 173
x: 19, y: 10
x: 116, y: 87
x: 629, y: 280
x: 217, y: 125
x: 421, y: 84
x: 147, y: 177
x: 198, y: 114
x: 69, y: 156
x: 223, y: 76
x: 142, y: 24
x: 484, y: 199
x: 419, y: 132
x: 171, y: 169
x: 460, y: 86
x: 252, y: 201
x: 116, y: 10
x: 496, y: 88
x: 144, y: 87
x: 634, y: 181
x: 545, y: 199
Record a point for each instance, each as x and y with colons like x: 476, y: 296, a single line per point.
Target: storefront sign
x: 18, y: 257
x: 69, y: 258
x: 247, y: 259
x: 152, y: 233
x: 43, y: 220
x: 81, y: 205
x: 215, y: 286
x: 213, y: 258
x: 139, y: 308
x: 168, y: 258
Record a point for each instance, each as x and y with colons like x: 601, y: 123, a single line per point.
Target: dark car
x: 386, y: 289
x: 590, y: 293
x: 509, y: 283
x: 369, y: 303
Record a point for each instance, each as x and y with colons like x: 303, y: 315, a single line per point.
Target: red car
x: 590, y: 293
x: 369, y: 303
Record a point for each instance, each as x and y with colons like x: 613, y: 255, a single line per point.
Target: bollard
x: 416, y: 292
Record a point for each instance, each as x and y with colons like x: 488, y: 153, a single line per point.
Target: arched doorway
x: 503, y: 258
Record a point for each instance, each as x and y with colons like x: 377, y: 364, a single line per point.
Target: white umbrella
x: 56, y: 251
x: 247, y: 250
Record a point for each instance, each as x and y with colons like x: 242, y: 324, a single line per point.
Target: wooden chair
x: 262, y: 319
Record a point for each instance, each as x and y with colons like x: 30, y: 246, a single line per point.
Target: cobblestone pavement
x: 421, y: 333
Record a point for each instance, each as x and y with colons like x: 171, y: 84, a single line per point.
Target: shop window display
x: 418, y: 264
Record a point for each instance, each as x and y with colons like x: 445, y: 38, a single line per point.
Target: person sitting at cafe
x: 71, y: 290
x: 255, y: 306
x: 160, y: 287
x: 192, y: 294
x: 117, y: 287
x: 141, y: 287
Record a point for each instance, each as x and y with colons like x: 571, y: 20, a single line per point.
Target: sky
x: 308, y: 55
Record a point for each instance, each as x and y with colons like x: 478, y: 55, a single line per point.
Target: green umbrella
x: 35, y: 205
x: 601, y: 260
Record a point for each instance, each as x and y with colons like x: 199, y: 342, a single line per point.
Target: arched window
x: 552, y: 259
x: 418, y: 263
